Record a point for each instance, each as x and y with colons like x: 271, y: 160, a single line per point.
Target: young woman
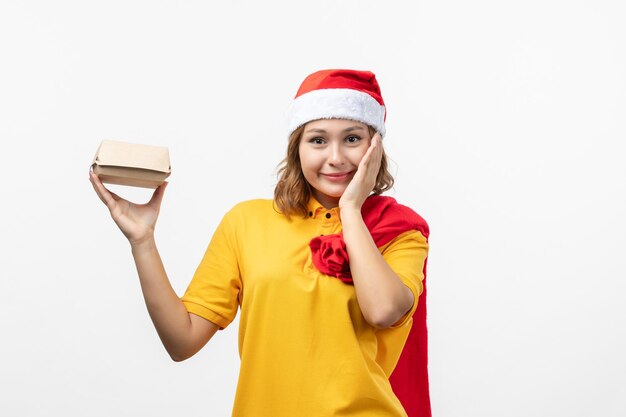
x: 327, y: 274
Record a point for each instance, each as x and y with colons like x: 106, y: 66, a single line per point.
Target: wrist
x: 350, y: 212
x: 143, y: 245
x: 350, y: 205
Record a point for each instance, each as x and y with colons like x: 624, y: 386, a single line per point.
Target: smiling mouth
x: 337, y: 176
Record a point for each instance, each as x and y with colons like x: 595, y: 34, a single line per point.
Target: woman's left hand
x: 364, y: 180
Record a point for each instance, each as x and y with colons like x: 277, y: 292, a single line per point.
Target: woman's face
x: 330, y: 152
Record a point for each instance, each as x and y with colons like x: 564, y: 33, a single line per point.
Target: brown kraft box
x: 131, y: 164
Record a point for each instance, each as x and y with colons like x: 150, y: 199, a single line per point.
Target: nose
x: 336, y: 156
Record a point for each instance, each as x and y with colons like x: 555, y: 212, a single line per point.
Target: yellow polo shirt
x: 305, y: 348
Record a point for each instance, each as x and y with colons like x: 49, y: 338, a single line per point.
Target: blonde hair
x: 293, y: 192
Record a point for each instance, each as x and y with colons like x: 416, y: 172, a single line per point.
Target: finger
x: 374, y: 147
x: 377, y: 144
x: 157, y: 196
x: 380, y: 150
x: 115, y: 196
x: 105, y: 195
x: 378, y: 140
x: 93, y: 179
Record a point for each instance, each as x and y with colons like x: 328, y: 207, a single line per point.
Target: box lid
x: 133, y: 155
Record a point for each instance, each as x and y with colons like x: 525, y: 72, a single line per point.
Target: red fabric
x: 363, y: 81
x: 331, y: 257
x: 386, y: 219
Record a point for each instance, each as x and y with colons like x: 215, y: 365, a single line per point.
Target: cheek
x: 309, y: 160
x: 358, y: 154
x: 305, y: 162
x: 308, y: 168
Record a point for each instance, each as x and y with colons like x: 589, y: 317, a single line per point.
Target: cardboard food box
x: 131, y: 164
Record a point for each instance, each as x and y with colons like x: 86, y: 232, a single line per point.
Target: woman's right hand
x: 136, y: 221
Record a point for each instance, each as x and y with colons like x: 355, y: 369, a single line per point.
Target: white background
x: 505, y: 125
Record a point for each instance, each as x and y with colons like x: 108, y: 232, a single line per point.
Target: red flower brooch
x: 330, y: 256
x: 385, y: 219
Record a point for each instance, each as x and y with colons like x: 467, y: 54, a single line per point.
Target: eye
x: 316, y: 141
x: 353, y: 139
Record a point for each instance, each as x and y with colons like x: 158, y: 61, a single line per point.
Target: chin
x: 334, y: 193
x: 329, y: 194
x: 334, y: 198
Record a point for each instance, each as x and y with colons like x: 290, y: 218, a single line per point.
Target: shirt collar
x: 315, y: 209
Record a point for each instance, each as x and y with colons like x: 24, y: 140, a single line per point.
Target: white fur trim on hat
x: 336, y: 103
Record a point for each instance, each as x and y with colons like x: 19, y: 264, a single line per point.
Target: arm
x: 182, y: 333
x: 383, y: 297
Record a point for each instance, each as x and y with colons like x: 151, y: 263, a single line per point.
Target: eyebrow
x: 348, y: 129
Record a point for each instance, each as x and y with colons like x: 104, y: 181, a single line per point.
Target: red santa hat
x: 338, y: 94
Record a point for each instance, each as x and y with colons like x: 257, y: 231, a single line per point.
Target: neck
x: 326, y: 201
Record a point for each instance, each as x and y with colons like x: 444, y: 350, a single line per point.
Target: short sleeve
x: 406, y: 255
x: 215, y: 287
